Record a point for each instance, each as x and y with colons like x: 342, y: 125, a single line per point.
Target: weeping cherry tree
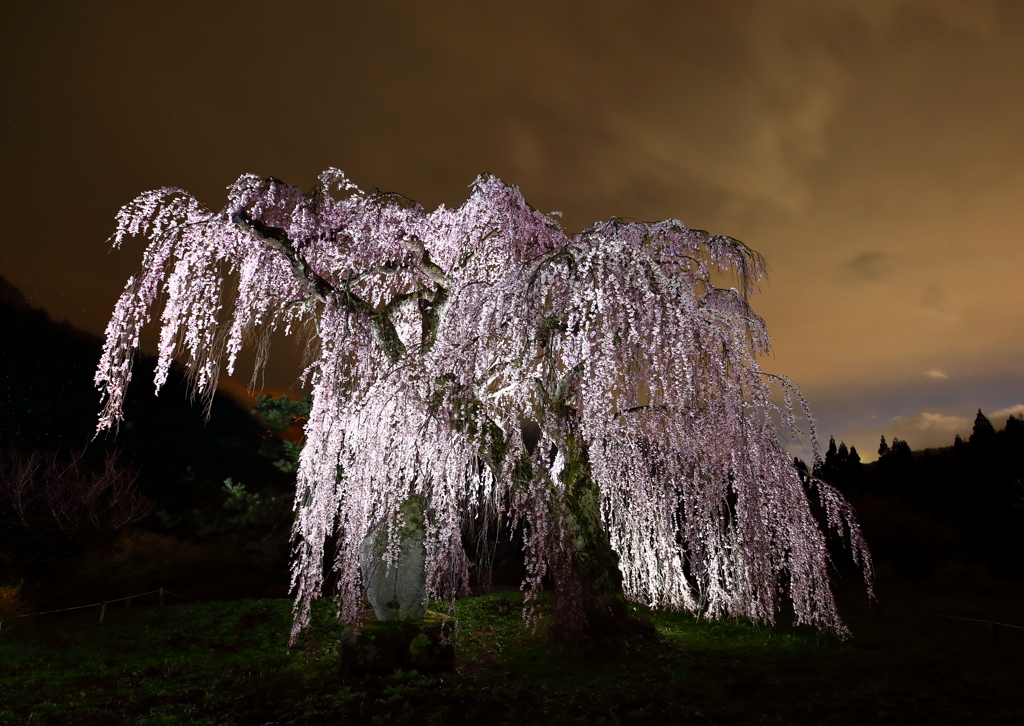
x: 595, y: 388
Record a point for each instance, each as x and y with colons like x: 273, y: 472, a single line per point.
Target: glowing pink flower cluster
x: 440, y: 336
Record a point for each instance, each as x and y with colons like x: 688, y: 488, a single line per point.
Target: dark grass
x: 227, y: 663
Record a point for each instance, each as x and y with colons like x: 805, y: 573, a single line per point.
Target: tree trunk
x: 590, y: 609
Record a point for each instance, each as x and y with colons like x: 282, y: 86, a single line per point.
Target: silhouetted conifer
x: 841, y: 467
x: 895, y: 470
x: 883, y: 448
x: 900, y: 450
x: 801, y: 467
x: 984, y: 433
x: 1014, y: 427
x: 828, y: 468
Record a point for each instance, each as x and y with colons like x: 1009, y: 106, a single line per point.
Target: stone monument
x: 403, y: 634
x: 397, y: 590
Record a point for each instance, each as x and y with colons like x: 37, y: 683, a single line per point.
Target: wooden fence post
x: 161, y: 597
x: 128, y: 603
x: 993, y: 632
x: 103, y: 611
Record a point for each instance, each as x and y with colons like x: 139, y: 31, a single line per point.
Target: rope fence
x: 957, y: 617
x: 102, y: 605
x: 993, y: 625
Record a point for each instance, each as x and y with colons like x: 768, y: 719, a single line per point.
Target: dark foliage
x: 256, y: 521
x: 286, y: 418
x: 962, y: 504
x: 52, y: 505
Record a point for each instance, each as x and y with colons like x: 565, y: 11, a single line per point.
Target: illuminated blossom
x: 439, y: 337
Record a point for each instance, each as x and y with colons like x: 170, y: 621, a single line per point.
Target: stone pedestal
x: 427, y: 644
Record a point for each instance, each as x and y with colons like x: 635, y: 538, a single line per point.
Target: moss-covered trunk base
x: 376, y: 647
x: 590, y: 610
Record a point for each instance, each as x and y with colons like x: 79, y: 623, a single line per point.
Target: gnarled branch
x: 278, y: 239
x: 322, y: 290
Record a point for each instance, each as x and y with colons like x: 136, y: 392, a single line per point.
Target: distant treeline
x: 938, y: 510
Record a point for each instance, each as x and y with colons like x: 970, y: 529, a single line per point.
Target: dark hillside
x: 177, y: 524
x: 940, y: 510
x: 47, y: 401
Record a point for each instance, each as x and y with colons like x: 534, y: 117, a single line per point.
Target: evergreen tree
x: 984, y: 433
x: 841, y: 467
x: 280, y: 415
x: 802, y: 470
x: 883, y: 448
x: 901, y: 450
x: 895, y: 470
x: 854, y: 470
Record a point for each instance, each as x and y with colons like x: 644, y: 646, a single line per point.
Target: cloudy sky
x: 871, y: 150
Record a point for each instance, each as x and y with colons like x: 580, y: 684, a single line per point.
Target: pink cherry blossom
x: 438, y: 337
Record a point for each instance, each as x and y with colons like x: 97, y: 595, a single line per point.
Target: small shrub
x: 53, y: 503
x: 12, y: 606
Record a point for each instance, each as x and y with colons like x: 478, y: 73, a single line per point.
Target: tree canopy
x: 485, y: 359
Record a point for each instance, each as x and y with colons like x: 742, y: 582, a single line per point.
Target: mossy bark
x: 590, y: 609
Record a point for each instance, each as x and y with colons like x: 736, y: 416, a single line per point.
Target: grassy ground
x: 226, y: 663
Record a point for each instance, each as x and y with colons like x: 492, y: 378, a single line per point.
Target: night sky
x: 871, y: 150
